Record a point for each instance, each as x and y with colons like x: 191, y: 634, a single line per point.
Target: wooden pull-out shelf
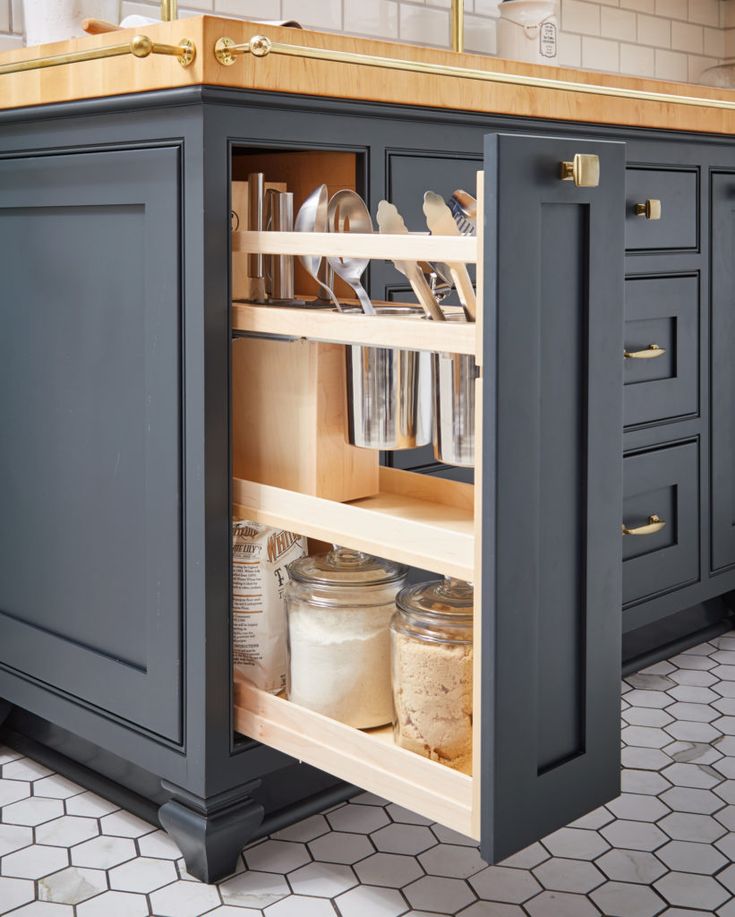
x: 410, y: 332
x: 420, y: 520
x: 411, y: 247
x: 367, y: 758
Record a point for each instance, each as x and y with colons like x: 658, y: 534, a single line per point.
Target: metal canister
x: 388, y: 394
x: 279, y: 269
x: 454, y: 376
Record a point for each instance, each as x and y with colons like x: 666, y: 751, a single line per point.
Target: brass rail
x: 458, y: 25
x: 227, y: 51
x: 138, y: 46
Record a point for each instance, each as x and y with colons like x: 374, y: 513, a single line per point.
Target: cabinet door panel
x: 722, y: 246
x: 90, y: 531
x: 552, y: 489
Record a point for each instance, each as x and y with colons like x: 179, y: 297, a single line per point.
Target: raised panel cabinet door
x: 551, y: 488
x: 90, y: 414
x: 722, y: 383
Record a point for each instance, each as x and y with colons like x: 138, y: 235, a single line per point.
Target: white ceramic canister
x: 528, y: 30
x: 57, y: 20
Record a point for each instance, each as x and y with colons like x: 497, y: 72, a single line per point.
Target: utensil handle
x: 256, y: 185
x: 367, y: 307
x: 98, y: 26
x: 465, y: 290
x: 423, y: 293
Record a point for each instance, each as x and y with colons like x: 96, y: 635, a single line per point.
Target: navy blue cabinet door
x: 552, y: 488
x: 90, y: 476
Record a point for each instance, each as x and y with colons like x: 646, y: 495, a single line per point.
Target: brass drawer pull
x: 651, y: 209
x: 655, y: 524
x: 583, y: 170
x: 650, y: 353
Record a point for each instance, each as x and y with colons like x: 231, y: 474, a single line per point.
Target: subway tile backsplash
x: 668, y: 39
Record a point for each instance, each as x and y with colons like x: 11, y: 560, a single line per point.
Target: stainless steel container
x: 388, y: 394
x: 454, y: 377
x: 279, y: 269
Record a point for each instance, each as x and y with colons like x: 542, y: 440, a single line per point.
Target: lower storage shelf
x: 368, y: 758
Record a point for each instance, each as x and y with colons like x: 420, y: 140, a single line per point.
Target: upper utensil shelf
x: 412, y: 247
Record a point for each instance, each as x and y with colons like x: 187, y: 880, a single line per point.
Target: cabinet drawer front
x: 661, y: 311
x: 662, y: 483
x: 676, y: 189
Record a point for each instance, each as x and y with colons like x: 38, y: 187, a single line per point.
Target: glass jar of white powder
x: 339, y: 608
x: 431, y: 648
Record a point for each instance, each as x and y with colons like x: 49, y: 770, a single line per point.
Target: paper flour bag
x: 260, y: 559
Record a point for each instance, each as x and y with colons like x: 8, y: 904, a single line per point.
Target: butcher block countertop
x: 289, y: 73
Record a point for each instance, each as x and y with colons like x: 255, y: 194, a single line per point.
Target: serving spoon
x: 312, y: 217
x: 347, y: 213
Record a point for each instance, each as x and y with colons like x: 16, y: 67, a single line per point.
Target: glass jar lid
x: 343, y: 567
x: 438, y: 611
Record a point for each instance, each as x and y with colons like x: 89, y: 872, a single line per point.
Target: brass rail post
x: 457, y: 25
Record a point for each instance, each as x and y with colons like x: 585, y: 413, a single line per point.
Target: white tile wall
x: 670, y: 39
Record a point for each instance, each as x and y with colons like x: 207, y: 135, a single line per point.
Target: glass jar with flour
x: 431, y: 648
x: 339, y: 607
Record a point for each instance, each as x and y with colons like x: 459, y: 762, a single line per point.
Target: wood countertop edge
x: 331, y: 79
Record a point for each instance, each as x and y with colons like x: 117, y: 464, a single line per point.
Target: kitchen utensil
x: 440, y: 221
x: 388, y: 394
x: 464, y: 210
x: 256, y: 223
x: 312, y: 217
x: 439, y: 278
x: 454, y: 377
x: 347, y: 213
x: 390, y: 222
x: 98, y: 26
x: 279, y: 268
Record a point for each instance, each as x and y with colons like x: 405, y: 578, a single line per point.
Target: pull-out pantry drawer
x: 660, y: 520
x: 661, y: 211
x: 661, y: 357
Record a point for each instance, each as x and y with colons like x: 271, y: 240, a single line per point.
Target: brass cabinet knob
x: 650, y: 353
x: 583, y: 170
x: 655, y: 524
x: 651, y: 210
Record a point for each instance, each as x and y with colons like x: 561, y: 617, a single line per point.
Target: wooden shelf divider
x: 411, y: 247
x: 420, y: 520
x: 367, y: 758
x: 411, y: 332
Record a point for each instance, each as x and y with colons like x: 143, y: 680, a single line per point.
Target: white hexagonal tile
x: 683, y: 826
x: 726, y: 767
x: 561, y: 904
x: 697, y: 776
x: 647, y: 783
x: 358, y: 819
x: 594, y: 819
x: 725, y: 724
x: 90, y: 805
x: 322, y: 880
x: 14, y: 837
x: 480, y: 909
x: 72, y: 885
x: 701, y: 649
x: 8, y: 754
x: 686, y: 799
x: 103, y: 852
x: 432, y: 893
x: 57, y: 787
x: 637, y: 807
x: 121, y: 904
x: 125, y: 824
x: 501, y: 883
x: 634, y: 835
x: 698, y: 713
x: 300, y: 906
x: 13, y: 791
x: 646, y: 716
x: 620, y: 899
x: 689, y: 856
x: 645, y: 736
x: 143, y: 874
x: 651, y: 682
x: 14, y: 892
x: 251, y: 889
x: 305, y: 830
x: 693, y: 732
x: 34, y: 862
x: 338, y: 847
x: 159, y: 845
x: 691, y: 694
x: 726, y: 705
x: 451, y: 861
x: 637, y: 866
x: 528, y: 857
x: 726, y: 791
x: 691, y: 661
x: 693, y: 753
x: 33, y: 811
x: 406, y: 816
x: 650, y: 759
x: 391, y: 870
x: 277, y: 856
x: 410, y: 839
x: 568, y: 875
x: 724, y: 672
x: 67, y: 831
x: 367, y: 799
x: 726, y: 817
x: 649, y: 699
x: 227, y: 910
x: 693, y: 679
x: 576, y: 843
x: 44, y: 909
x: 724, y: 688
x: 687, y: 890
x: 727, y: 876
x: 368, y: 899
x: 25, y: 769
x: 447, y: 836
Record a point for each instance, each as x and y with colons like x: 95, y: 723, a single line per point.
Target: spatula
x: 440, y: 221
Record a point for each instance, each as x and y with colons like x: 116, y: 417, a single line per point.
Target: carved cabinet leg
x: 211, y: 832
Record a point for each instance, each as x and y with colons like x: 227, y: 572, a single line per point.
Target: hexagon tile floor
x: 664, y: 847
